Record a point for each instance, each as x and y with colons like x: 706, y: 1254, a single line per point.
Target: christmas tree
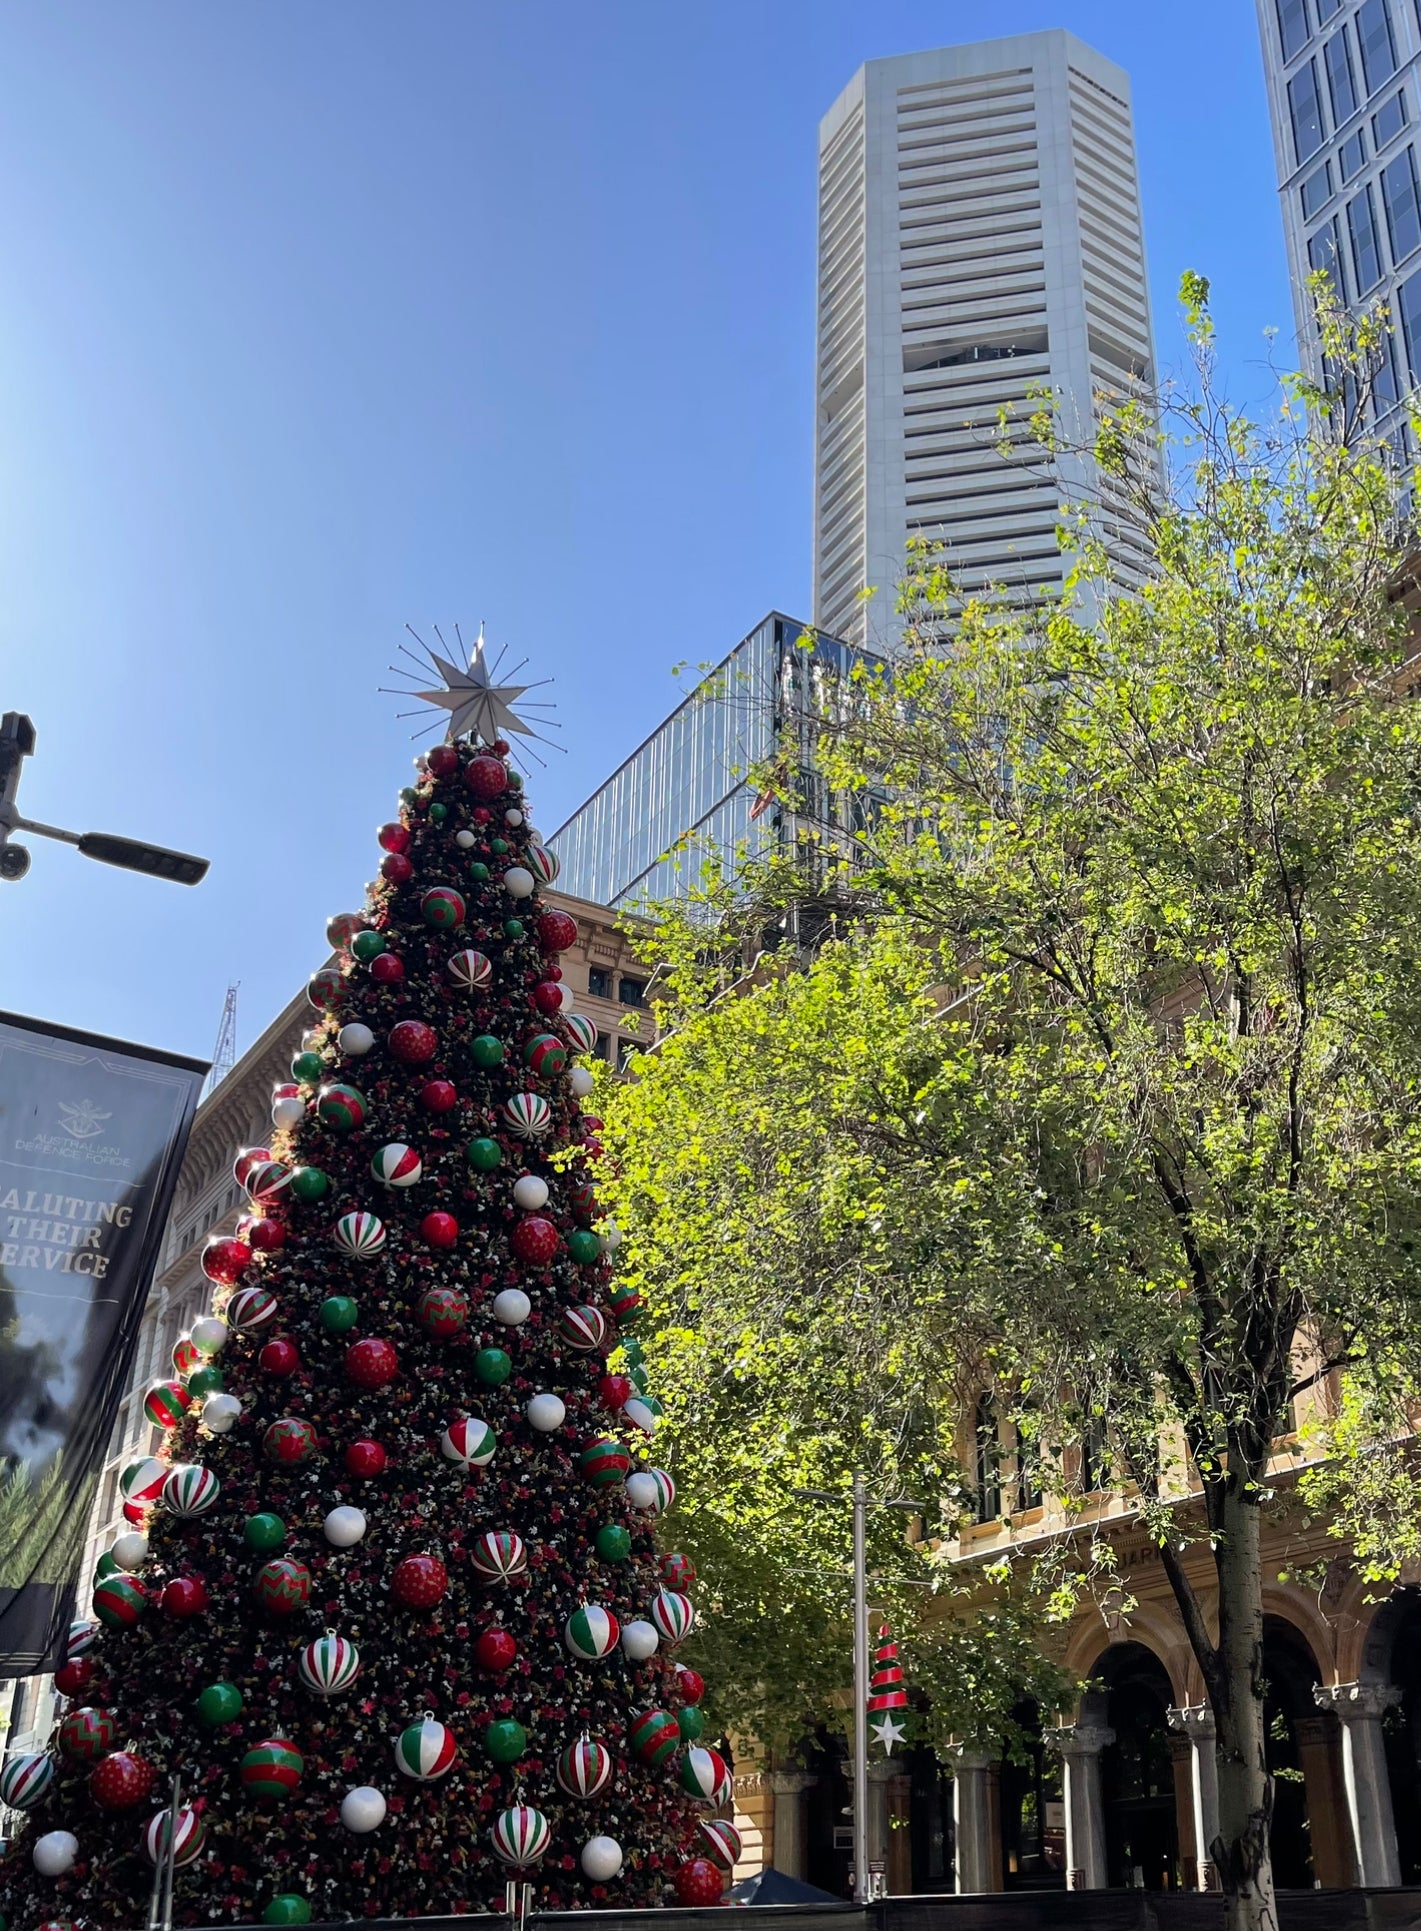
x: 392, y: 1605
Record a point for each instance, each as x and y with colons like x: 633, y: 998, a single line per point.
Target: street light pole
x: 860, y: 1689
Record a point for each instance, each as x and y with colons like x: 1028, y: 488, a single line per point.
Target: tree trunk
x: 1241, y: 1849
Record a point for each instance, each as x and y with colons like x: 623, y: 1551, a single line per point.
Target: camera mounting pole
x: 17, y: 742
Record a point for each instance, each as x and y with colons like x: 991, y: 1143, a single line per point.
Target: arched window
x: 988, y: 1456
x: 1028, y: 1470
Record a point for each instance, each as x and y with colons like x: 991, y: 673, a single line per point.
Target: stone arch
x: 1146, y: 1629
x: 1128, y: 1708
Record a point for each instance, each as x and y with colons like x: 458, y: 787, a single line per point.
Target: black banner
x: 92, y: 1133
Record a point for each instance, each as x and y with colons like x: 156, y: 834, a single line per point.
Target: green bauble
x: 498, y: 846
x: 583, y: 1245
x: 408, y: 795
x: 634, y: 1351
x: 614, y: 1544
x: 515, y: 782
x: 492, y: 1366
x: 339, y: 1313
x: 365, y: 946
x: 309, y: 1183
x: 264, y: 1531
x: 219, y: 1703
x: 513, y: 928
x: 478, y: 871
x: 308, y: 1068
x: 690, y: 1723
x: 287, y: 1909
x: 105, y: 1566
x: 506, y: 1740
x: 638, y: 1377
x: 204, y: 1381
x: 486, y: 1050
x: 484, y: 1155
x: 439, y: 813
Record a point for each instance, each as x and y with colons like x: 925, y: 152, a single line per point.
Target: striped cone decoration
x: 250, y: 1309
x: 527, y: 1115
x: 469, y: 1441
x: 470, y: 970
x: 672, y: 1616
x: 520, y: 1836
x: 604, y: 1461
x: 397, y: 1165
x: 720, y: 1841
x: 654, y: 1736
x: 426, y: 1750
x: 190, y: 1491
x: 499, y: 1554
x: 329, y: 1665
x: 268, y: 1180
x: 187, y: 1841
x: 704, y: 1775
x: 360, y: 1234
x: 272, y: 1768
x: 542, y: 863
x: 583, y: 1328
x: 591, y: 1632
x: 24, y: 1780
x: 886, y: 1694
x: 584, y: 1768
x: 581, y: 1030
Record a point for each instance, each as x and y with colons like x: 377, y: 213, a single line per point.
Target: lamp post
x: 17, y: 742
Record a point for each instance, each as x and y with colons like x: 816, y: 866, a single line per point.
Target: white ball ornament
x: 601, y: 1858
x: 55, y: 1852
x: 355, y: 1040
x: 545, y: 1413
x: 641, y: 1490
x: 519, y: 882
x: 513, y: 817
x: 344, y: 1527
x: 130, y: 1551
x: 639, y: 1639
x: 312, y: 1041
x: 287, y: 1112
x: 465, y: 840
x: 362, y: 1809
x: 567, y: 996
x: 219, y: 1412
x: 610, y: 1235
x: 580, y: 1080
x: 530, y: 1191
x: 512, y: 1307
x: 209, y: 1334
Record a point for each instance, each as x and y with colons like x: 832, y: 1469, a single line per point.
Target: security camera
x: 14, y: 863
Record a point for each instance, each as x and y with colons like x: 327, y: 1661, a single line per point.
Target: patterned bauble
x: 342, y: 1108
x: 604, y: 1461
x: 581, y: 1030
x: 283, y: 1586
x: 26, y: 1779
x: 704, y: 1774
x: 443, y: 1312
x: 673, y: 1616
x: 271, y: 1769
x: 582, y: 1198
x: 187, y: 1840
x: 86, y: 1734
x: 121, y: 1781
x: 625, y: 1303
x: 557, y: 931
x: 190, y: 1491
x: 142, y: 1481
x: 119, y: 1601
x: 654, y: 1736
x: 545, y: 1055
x: 329, y: 1665
x: 505, y: 1739
x: 469, y: 1441
x: 497, y: 1555
x: 583, y: 1328
x: 536, y: 1240
x: 584, y: 1768
x: 698, y: 1882
x: 324, y: 988
x: 360, y: 1234
x: 289, y: 1440
x: 224, y: 1261
x: 614, y: 1543
x: 250, y: 1310
x: 486, y: 777
x: 397, y: 1165
x: 527, y: 1114
x: 268, y: 1182
x: 82, y: 1633
x: 413, y: 1043
x: 652, y: 1490
x: 470, y: 970
x: 425, y: 1750
x: 677, y: 1572
x: 165, y: 1403
x: 442, y: 907
x: 542, y: 863
x: 371, y: 1362
x: 520, y: 1836
x: 591, y: 1632
x: 419, y: 1581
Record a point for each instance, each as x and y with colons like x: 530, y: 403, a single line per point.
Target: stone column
x: 1359, y: 1708
x: 788, y: 1788
x: 1080, y: 1745
x: 971, y: 1818
x: 1319, y: 1752
x: 1196, y: 1722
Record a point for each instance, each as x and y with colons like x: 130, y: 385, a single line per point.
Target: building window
x: 1305, y: 107
x: 1384, y: 383
x: 1324, y: 257
x: 625, y: 1050
x: 1325, y: 10
x: 988, y: 1460
x: 1366, y: 248
x: 1316, y: 192
x: 599, y: 982
x: 1378, y: 47
x: 1352, y: 155
x: 1389, y: 119
x: 632, y: 992
x: 1403, y: 218
x: 1292, y: 26
x: 1028, y: 1473
x: 1095, y: 1457
x: 1341, y: 87
x: 1408, y: 320
x: 603, y: 1047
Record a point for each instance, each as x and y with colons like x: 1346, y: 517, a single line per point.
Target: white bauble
x: 512, y: 1307
x: 534, y: 837
x: 639, y: 1639
x: 545, y: 1413
x: 287, y: 1112
x: 219, y: 1412
x: 601, y: 1858
x: 421, y: 762
x: 130, y: 1551
x: 567, y: 996
x: 519, y: 882
x: 610, y: 1235
x: 530, y: 1191
x: 579, y: 1079
x: 209, y: 1334
x: 362, y: 1809
x: 312, y: 1041
x: 55, y: 1852
x: 513, y: 817
x: 355, y: 1040
x: 464, y: 840
x: 642, y: 1490
x: 344, y: 1527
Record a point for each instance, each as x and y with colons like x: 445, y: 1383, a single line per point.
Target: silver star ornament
x: 887, y: 1730
x: 477, y: 707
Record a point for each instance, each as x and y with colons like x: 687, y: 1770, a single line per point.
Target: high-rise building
x: 1344, y: 91
x: 979, y: 240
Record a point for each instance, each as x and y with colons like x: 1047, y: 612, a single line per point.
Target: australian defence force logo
x: 82, y: 1119
x: 80, y: 1139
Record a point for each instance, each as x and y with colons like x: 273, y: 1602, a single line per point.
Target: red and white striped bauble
x: 720, y: 1841
x: 187, y: 1840
x: 360, y: 1234
x: 469, y: 1441
x: 583, y: 1328
x: 397, y: 1165
x: 250, y: 1309
x: 267, y: 1181
x: 470, y: 970
x: 329, y: 1665
x: 581, y: 1030
x: 498, y: 1554
x: 190, y: 1490
x: 527, y: 1115
x: 705, y: 1774
x: 142, y: 1481
x: 82, y: 1633
x: 542, y: 863
x: 584, y: 1768
x: 672, y: 1616
x: 426, y: 1750
x: 520, y: 1836
x: 651, y: 1489
x: 591, y: 1632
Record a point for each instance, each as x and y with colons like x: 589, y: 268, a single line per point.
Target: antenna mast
x: 224, y: 1053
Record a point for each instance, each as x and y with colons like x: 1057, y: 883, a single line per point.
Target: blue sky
x: 316, y: 320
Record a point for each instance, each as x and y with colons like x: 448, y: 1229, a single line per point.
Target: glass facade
x: 687, y: 790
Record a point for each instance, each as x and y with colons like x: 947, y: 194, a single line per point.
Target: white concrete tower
x: 979, y: 236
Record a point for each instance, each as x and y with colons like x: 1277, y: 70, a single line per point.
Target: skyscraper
x: 979, y: 238
x: 1344, y: 91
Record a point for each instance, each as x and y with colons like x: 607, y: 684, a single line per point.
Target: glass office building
x: 688, y: 789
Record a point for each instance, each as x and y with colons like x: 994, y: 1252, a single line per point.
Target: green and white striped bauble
x: 425, y: 1750
x: 520, y: 1836
x: 360, y: 1234
x: 591, y: 1632
x: 329, y: 1665
x: 24, y: 1780
x: 190, y: 1491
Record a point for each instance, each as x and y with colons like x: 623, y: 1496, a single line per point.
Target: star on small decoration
x: 478, y: 707
x: 887, y: 1730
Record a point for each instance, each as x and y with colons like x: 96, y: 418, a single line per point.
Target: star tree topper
x: 479, y: 706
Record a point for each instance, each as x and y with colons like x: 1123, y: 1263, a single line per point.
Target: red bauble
x: 185, y: 1596
x: 557, y: 931
x: 615, y: 1390
x: 371, y: 1363
x: 394, y: 838
x: 691, y: 1683
x: 279, y: 1357
x: 547, y: 997
x: 481, y: 815
x: 443, y: 761
x: 395, y: 867
x: 438, y: 1095
x: 72, y: 1679
x: 267, y: 1236
x: 698, y: 1881
x: 248, y: 1158
x: 413, y: 1043
x: 365, y: 1458
x: 495, y: 1650
x: 419, y: 1581
x: 439, y: 1229
x: 485, y: 777
x: 121, y: 1781
x: 536, y: 1240
x: 225, y: 1261
x: 388, y: 969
